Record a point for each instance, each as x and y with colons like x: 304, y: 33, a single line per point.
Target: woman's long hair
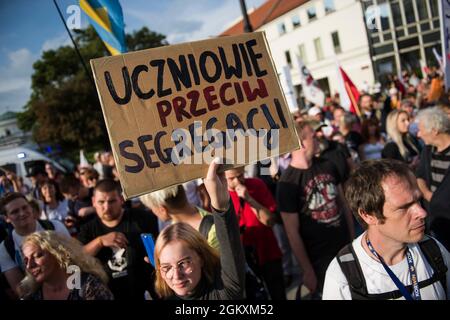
x: 58, y: 195
x: 393, y: 133
x: 195, y: 241
x: 67, y: 251
x: 365, y: 129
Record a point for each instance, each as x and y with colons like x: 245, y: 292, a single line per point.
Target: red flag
x: 352, y: 92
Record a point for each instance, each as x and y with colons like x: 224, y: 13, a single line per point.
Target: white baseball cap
x: 314, y: 111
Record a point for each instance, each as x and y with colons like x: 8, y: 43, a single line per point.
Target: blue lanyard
x: 398, y: 283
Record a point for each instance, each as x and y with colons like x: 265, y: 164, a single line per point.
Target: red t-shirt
x: 256, y: 234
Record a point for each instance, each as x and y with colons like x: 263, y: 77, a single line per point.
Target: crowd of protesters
x: 351, y: 204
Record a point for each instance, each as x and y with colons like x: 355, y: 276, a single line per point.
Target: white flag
x: 311, y: 89
x: 438, y: 58
x: 288, y: 88
x: 343, y: 95
x: 83, y: 160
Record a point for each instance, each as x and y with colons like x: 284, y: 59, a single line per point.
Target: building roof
x: 268, y: 11
x: 8, y: 115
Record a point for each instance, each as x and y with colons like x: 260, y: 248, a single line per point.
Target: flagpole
x: 247, y: 25
x: 89, y: 75
x: 74, y: 43
x: 350, y: 94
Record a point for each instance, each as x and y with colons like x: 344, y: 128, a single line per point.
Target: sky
x: 29, y: 27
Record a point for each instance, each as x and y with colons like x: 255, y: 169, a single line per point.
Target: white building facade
x: 321, y: 32
x: 8, y: 125
x: 10, y: 134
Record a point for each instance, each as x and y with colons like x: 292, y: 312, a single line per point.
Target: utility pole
x: 247, y: 25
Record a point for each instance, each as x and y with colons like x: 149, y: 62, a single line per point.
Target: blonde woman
x: 401, y: 144
x: 188, y: 268
x: 58, y: 269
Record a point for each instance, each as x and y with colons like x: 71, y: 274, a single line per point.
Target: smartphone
x: 149, y: 245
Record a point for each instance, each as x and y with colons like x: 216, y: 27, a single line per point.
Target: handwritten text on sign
x: 165, y: 105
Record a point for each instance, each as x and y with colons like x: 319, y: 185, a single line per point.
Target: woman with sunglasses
x: 188, y: 268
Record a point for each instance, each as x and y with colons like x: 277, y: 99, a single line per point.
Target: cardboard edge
x: 289, y: 114
x: 94, y: 72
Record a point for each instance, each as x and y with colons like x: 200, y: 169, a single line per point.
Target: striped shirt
x: 440, y: 163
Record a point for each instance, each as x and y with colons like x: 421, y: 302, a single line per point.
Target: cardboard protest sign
x: 170, y: 110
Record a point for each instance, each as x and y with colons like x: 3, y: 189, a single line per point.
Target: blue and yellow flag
x: 107, y: 18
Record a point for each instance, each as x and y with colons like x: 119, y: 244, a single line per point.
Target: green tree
x: 63, y: 108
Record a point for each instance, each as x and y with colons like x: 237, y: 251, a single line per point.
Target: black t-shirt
x: 129, y: 274
x: 338, y: 154
x: 312, y: 194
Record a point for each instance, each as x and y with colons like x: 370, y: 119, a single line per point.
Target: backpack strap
x: 9, y: 241
x: 352, y: 270
x: 47, y: 224
x: 433, y: 254
x: 3, y: 231
x: 9, y: 246
x: 206, y: 225
x: 396, y: 294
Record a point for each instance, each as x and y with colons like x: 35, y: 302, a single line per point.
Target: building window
x: 288, y: 58
x: 324, y: 85
x: 434, y: 8
x: 422, y: 9
x: 318, y: 47
x: 336, y: 42
x: 409, y: 11
x: 397, y: 14
x: 388, y: 35
x: 311, y: 13
x: 385, y: 67
x: 384, y: 16
x: 302, y: 53
x: 281, y: 28
x: 329, y: 6
x: 425, y: 26
x: 295, y: 21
